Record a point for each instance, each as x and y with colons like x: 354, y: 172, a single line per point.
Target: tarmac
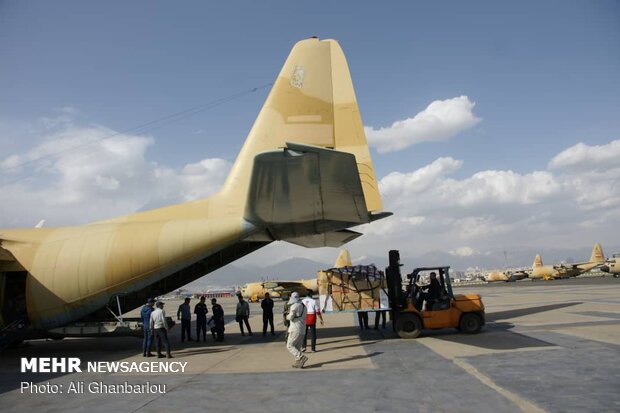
x: 547, y: 347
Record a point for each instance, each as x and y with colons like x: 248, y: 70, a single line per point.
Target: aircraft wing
x: 567, y: 266
x: 520, y: 274
x: 284, y: 286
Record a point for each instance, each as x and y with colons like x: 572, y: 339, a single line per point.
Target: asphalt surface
x: 548, y: 346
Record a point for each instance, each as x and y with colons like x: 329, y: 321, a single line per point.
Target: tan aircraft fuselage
x: 612, y: 266
x: 256, y: 291
x: 304, y: 175
x: 497, y: 276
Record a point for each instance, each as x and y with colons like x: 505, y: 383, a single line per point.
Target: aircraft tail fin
x: 343, y: 260
x: 597, y: 253
x: 305, y: 166
x: 537, y: 261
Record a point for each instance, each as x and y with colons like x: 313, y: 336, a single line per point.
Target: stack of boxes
x: 360, y: 287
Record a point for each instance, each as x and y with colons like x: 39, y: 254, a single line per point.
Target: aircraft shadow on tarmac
x: 520, y: 312
x: 493, y: 340
x: 347, y: 346
x: 200, y: 350
x: 333, y: 341
x: 496, y: 335
x: 357, y: 357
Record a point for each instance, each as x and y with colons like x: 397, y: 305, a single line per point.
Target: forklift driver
x: 432, y: 293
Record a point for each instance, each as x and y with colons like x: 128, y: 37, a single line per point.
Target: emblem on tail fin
x: 297, y: 80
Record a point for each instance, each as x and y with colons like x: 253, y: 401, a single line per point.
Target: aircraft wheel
x: 408, y: 325
x: 470, y: 323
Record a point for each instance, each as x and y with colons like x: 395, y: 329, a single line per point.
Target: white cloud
x: 498, y: 207
x: 464, y: 252
x: 414, y: 220
x: 582, y: 156
x: 441, y: 120
x: 501, y: 187
x: 79, y: 174
x: 420, y: 179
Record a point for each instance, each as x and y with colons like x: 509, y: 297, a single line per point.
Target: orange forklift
x: 411, y: 312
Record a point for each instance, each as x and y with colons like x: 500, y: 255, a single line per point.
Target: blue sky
x: 544, y: 76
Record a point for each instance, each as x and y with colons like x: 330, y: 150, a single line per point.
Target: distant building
x: 222, y: 293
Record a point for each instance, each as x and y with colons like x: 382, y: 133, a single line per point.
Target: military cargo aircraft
x: 549, y: 272
x: 612, y: 266
x: 283, y: 289
x: 304, y: 175
x: 506, y: 275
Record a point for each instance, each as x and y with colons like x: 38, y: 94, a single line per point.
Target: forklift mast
x: 394, y: 282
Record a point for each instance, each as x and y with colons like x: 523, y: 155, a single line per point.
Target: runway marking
x: 526, y: 406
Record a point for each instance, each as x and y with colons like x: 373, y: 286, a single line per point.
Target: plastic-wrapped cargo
x: 356, y: 288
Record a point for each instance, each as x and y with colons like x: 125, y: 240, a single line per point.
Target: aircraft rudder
x: 343, y: 259
x: 597, y: 253
x: 537, y: 261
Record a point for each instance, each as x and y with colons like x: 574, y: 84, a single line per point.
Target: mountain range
x: 296, y: 268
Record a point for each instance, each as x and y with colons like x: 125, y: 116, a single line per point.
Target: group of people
x: 201, y: 310
x: 300, y: 317
x: 362, y: 318
x: 242, y: 315
x: 156, y: 327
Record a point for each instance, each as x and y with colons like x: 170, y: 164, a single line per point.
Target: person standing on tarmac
x: 145, y: 313
x: 380, y: 314
x: 159, y: 328
x: 218, y: 320
x: 267, y: 306
x: 362, y: 318
x: 201, y: 311
x: 312, y: 312
x: 296, y: 329
x: 243, y: 314
x: 184, y: 313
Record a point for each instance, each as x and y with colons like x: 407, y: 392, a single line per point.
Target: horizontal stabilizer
x: 328, y: 239
x: 305, y: 190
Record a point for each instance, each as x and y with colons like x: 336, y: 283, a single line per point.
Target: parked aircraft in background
x: 549, y: 272
x: 612, y: 266
x: 506, y: 275
x: 304, y: 175
x: 283, y: 289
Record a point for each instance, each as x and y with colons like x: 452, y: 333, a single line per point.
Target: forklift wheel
x: 470, y: 323
x: 408, y: 325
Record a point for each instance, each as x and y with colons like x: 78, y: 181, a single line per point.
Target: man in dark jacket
x: 145, y: 313
x: 433, y: 291
x: 218, y: 321
x: 267, y: 306
x: 201, y: 311
x: 184, y: 313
